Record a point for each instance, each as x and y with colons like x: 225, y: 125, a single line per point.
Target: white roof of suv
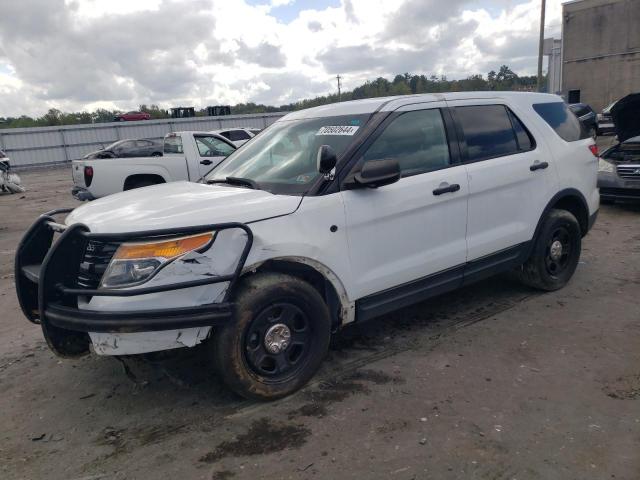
x: 386, y: 104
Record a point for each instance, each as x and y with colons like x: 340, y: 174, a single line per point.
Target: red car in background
x: 131, y: 116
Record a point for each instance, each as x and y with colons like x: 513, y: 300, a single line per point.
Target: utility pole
x: 541, y: 45
x: 338, y: 77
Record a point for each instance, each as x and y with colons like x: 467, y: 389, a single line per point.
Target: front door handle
x: 454, y: 187
x: 206, y: 162
x: 538, y: 166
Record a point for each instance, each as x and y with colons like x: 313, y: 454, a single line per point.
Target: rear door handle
x: 538, y: 166
x: 206, y: 162
x: 454, y: 187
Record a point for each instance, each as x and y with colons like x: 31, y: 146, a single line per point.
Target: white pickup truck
x: 187, y: 156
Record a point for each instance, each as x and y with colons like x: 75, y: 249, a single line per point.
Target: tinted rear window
x: 579, y: 110
x: 488, y: 131
x: 562, y: 120
x: 236, y: 135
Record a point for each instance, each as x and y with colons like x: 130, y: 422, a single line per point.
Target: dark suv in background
x: 587, y: 117
x: 605, y: 120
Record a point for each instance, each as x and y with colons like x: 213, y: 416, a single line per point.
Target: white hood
x: 180, y: 204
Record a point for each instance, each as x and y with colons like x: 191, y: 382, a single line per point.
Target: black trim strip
x: 441, y: 282
x: 408, y: 294
x: 495, y: 263
x: 216, y: 314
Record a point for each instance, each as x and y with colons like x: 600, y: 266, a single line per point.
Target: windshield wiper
x: 244, y: 182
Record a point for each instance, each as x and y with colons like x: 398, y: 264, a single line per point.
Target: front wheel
x: 277, y: 340
x: 555, y: 254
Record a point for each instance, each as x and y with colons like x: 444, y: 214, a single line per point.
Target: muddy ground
x: 495, y: 381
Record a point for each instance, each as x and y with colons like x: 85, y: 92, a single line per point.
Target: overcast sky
x: 87, y: 54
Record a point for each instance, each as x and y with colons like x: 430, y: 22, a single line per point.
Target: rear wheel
x: 555, y: 254
x: 277, y: 340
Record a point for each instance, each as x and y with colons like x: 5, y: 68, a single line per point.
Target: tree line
x: 503, y: 79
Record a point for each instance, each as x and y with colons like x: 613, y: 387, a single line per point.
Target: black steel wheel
x: 277, y: 340
x: 555, y: 254
x: 558, y: 252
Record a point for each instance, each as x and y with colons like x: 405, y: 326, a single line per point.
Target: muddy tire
x: 555, y: 254
x: 277, y: 340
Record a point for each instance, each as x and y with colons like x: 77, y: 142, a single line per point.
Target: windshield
x: 282, y: 159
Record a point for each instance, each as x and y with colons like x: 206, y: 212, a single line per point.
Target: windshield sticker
x: 338, y: 130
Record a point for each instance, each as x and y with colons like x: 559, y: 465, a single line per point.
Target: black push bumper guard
x: 46, y: 273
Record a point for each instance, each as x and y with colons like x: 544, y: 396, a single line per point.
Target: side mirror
x: 377, y: 173
x: 327, y: 159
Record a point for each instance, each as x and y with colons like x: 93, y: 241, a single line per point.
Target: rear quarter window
x: 173, y: 144
x: 562, y: 120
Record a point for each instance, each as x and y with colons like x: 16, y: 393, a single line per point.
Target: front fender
x: 347, y: 307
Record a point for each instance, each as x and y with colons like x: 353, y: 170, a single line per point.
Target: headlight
x: 137, y: 262
x: 604, y: 166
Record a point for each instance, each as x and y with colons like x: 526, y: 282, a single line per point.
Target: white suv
x: 332, y: 215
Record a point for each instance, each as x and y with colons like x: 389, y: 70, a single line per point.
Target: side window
x: 239, y: 135
x: 212, y: 147
x: 226, y: 135
x: 418, y: 140
x: 524, y: 138
x: 173, y: 144
x: 143, y: 143
x: 487, y: 131
x: 560, y: 118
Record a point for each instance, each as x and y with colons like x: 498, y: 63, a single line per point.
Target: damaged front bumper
x: 47, y: 271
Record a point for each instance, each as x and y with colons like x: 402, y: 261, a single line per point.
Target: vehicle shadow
x: 187, y: 375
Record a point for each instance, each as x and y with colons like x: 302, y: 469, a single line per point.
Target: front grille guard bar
x: 46, y: 225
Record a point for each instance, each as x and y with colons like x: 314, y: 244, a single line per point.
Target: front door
x: 413, y: 228
x: 211, y: 151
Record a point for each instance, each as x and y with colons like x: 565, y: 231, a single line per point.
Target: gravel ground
x: 495, y: 381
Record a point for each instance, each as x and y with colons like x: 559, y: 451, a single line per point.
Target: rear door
x: 510, y: 176
x: 414, y: 228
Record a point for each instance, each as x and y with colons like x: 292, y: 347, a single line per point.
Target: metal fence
x: 27, y: 147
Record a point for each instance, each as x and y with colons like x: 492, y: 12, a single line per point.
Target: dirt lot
x: 494, y: 382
